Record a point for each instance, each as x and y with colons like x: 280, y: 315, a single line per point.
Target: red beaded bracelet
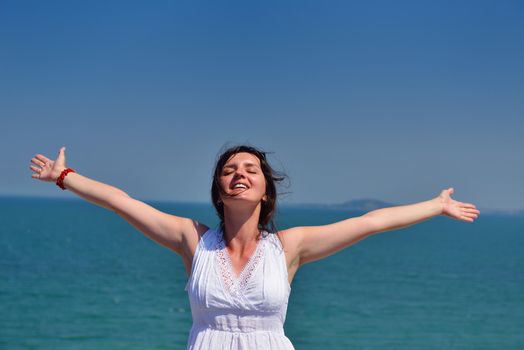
x: 60, y: 180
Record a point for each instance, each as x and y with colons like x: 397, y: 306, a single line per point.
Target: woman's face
x: 241, y: 178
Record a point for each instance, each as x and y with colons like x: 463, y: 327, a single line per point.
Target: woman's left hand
x: 455, y: 209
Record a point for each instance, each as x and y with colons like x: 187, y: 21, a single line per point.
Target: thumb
x: 61, y: 155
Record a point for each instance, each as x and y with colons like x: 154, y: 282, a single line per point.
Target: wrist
x: 61, y: 178
x: 438, y: 205
x: 57, y: 173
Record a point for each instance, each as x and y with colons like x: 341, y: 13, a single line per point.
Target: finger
x: 35, y: 176
x: 42, y: 158
x: 469, y: 209
x: 61, y: 155
x: 472, y: 215
x: 35, y: 169
x: 465, y: 218
x: 469, y: 212
x: 38, y: 162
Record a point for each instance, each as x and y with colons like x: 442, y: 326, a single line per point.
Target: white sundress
x: 241, y: 313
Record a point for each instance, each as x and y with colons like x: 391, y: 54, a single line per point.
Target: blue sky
x: 378, y: 99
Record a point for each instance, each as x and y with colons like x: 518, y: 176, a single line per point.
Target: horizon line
x: 283, y: 204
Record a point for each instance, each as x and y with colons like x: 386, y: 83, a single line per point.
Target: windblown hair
x: 273, y: 177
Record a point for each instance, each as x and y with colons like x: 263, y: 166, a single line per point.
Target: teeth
x: 240, y: 186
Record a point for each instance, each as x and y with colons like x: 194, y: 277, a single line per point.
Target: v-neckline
x: 230, y: 279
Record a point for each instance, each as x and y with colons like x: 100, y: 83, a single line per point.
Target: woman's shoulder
x: 289, y: 235
x: 288, y: 238
x: 197, y: 236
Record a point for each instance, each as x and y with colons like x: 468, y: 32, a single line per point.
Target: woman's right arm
x: 168, y: 230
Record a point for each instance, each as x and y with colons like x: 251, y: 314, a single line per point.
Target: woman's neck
x: 241, y: 228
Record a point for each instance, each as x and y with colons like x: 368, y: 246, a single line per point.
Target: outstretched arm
x: 393, y: 218
x: 168, y: 230
x: 98, y: 193
x: 316, y: 242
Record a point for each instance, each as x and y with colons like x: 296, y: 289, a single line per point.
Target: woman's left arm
x: 311, y: 243
x: 393, y: 218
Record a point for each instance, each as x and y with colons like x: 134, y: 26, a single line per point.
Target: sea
x: 76, y: 276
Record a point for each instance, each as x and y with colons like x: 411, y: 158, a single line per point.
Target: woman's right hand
x: 46, y: 169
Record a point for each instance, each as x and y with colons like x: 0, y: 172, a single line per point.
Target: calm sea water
x: 76, y: 276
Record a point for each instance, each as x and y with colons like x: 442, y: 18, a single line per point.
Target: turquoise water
x: 76, y: 276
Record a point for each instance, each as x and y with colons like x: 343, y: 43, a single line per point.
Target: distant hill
x: 361, y: 205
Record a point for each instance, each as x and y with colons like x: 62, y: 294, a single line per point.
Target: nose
x: 238, y: 175
x: 239, y: 172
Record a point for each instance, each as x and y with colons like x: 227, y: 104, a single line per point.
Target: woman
x: 240, y: 274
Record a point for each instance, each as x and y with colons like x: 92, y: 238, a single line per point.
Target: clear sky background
x: 393, y: 100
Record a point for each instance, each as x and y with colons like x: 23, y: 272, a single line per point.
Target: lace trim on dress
x: 232, y: 284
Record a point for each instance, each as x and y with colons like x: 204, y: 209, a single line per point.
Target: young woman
x: 240, y: 273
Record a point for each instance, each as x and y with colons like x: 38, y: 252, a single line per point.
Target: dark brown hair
x: 269, y: 206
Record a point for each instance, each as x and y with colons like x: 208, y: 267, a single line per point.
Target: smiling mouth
x: 239, y: 189
x: 239, y: 185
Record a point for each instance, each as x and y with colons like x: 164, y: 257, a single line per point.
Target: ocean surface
x: 76, y: 276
